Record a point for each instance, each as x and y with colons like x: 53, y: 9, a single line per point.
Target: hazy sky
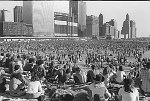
x: 139, y: 11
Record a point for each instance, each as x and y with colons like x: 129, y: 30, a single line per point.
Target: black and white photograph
x: 67, y: 50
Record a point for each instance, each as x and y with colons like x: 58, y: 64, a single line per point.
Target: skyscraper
x: 113, y: 24
x: 89, y: 23
x: 126, y: 27
x: 107, y: 29
x: 18, y: 16
x: 100, y: 25
x: 133, y: 29
x: 82, y: 19
x: 73, y: 10
x: 78, y: 14
x: 95, y: 27
x: 92, y: 26
x: 73, y: 16
x: 41, y: 15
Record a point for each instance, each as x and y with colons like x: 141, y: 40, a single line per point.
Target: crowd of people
x: 83, y: 70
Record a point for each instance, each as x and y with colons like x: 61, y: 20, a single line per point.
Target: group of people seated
x: 21, y: 85
x: 29, y: 73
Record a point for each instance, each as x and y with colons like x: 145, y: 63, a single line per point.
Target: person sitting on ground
x: 11, y: 65
x: 60, y: 75
x: 107, y: 75
x: 128, y: 92
x: 1, y: 59
x: 19, y: 62
x: 29, y: 66
x: 144, y: 76
x: 8, y: 60
x: 120, y: 75
x: 2, y: 81
x: 1, y: 56
x: 34, y: 89
x: 90, y: 74
x: 17, y: 83
x: 97, y: 87
x: 24, y: 60
x: 78, y: 77
x: 39, y: 70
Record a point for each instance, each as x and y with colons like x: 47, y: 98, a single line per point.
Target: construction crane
x: 3, y: 14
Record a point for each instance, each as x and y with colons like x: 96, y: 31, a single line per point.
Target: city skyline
x: 138, y: 12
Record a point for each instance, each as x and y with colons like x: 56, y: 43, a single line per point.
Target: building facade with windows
x: 41, y: 15
x: 18, y: 14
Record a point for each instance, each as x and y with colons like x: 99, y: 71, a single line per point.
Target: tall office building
x: 41, y: 15
x: 18, y: 16
x: 95, y: 27
x: 126, y: 27
x: 113, y: 24
x: 92, y: 26
x: 78, y: 14
x: 100, y: 25
x: 133, y: 29
x: 82, y: 19
x: 89, y: 23
x: 106, y: 29
x: 73, y: 10
x: 73, y: 16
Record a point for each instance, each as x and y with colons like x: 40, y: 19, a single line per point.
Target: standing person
x: 128, y: 92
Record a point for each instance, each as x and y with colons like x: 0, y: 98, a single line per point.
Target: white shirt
x: 99, y: 89
x: 129, y: 96
x: 107, y: 78
x: 34, y: 87
x: 1, y: 57
x: 120, y: 75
